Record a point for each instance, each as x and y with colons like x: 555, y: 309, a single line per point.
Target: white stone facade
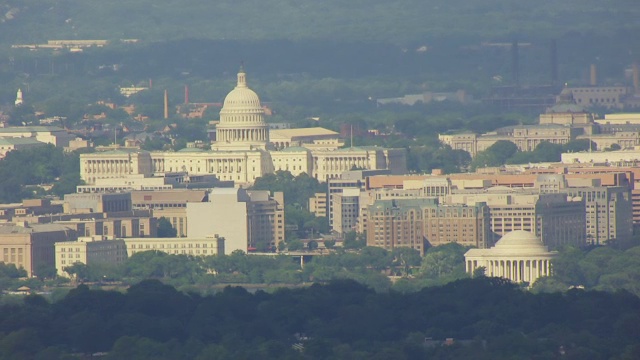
x: 519, y: 256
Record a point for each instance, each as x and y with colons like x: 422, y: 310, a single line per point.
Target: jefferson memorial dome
x: 518, y: 256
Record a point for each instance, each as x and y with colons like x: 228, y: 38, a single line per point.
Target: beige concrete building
x: 163, y: 181
x: 132, y: 226
x: 206, y: 246
x: 247, y: 219
x: 97, y: 203
x: 562, y: 123
x: 9, y: 144
x: 626, y: 156
x: 611, y: 97
x: 518, y: 256
x: 31, y: 246
x: 421, y: 223
x: 556, y: 218
x: 526, y: 137
x: 244, y: 152
x: 318, y: 205
x: 89, y: 250
x: 284, y: 138
x: 29, y: 209
x: 605, y: 141
x: 346, y: 210
x: 170, y: 204
x: 54, y: 135
x: 609, y: 212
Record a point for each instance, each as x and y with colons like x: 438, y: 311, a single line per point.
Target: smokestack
x: 635, y: 77
x: 554, y: 61
x: 594, y: 75
x: 186, y: 94
x: 166, y: 104
x: 514, y: 62
x: 150, y: 84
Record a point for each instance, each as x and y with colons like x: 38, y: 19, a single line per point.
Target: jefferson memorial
x: 243, y: 152
x: 518, y: 256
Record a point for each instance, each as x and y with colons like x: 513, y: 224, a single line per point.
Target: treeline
x: 31, y: 20
x: 601, y: 268
x: 371, y: 266
x: 506, y: 152
x: 486, y: 318
x: 21, y: 171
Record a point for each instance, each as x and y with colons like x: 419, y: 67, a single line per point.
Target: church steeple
x: 19, y: 100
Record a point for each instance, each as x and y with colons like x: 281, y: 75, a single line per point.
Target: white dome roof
x: 241, y: 98
x: 242, y: 125
x: 520, y: 241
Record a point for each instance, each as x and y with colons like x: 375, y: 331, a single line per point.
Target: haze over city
x: 319, y: 180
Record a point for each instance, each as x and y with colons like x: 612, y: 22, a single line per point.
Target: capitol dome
x: 242, y: 125
x: 241, y: 97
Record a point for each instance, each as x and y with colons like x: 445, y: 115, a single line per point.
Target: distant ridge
x: 400, y: 21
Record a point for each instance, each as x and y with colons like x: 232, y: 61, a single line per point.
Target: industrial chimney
x: 166, y: 104
x: 594, y: 75
x: 186, y: 94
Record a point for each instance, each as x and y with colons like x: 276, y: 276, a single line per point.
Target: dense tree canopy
x: 506, y: 152
x: 32, y: 20
x: 600, y: 268
x: 487, y: 318
x: 35, y: 166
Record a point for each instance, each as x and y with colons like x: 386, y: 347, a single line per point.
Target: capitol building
x: 243, y: 151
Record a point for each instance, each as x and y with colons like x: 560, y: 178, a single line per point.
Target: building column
x: 548, y: 268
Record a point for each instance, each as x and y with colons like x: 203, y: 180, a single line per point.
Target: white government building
x: 518, y: 256
x: 244, y: 152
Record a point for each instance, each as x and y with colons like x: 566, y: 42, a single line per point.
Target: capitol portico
x: 518, y: 256
x: 243, y: 151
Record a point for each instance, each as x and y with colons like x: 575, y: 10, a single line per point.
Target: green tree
x: 312, y: 245
x: 353, y: 240
x: 43, y: 271
x: 78, y: 271
x: 444, y: 261
x: 165, y: 229
x: 406, y: 258
x: 295, y: 245
x: 495, y: 155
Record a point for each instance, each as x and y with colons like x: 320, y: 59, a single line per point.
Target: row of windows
x: 168, y: 246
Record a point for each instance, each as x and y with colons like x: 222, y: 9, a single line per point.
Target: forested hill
x: 399, y: 21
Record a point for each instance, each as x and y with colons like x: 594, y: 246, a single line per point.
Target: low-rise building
x: 31, y: 246
x: 97, y: 202
x: 206, y: 246
x: 346, y: 210
x: 247, y: 219
x: 421, y: 223
x: 89, y: 250
x: 9, y: 144
x: 318, y: 204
